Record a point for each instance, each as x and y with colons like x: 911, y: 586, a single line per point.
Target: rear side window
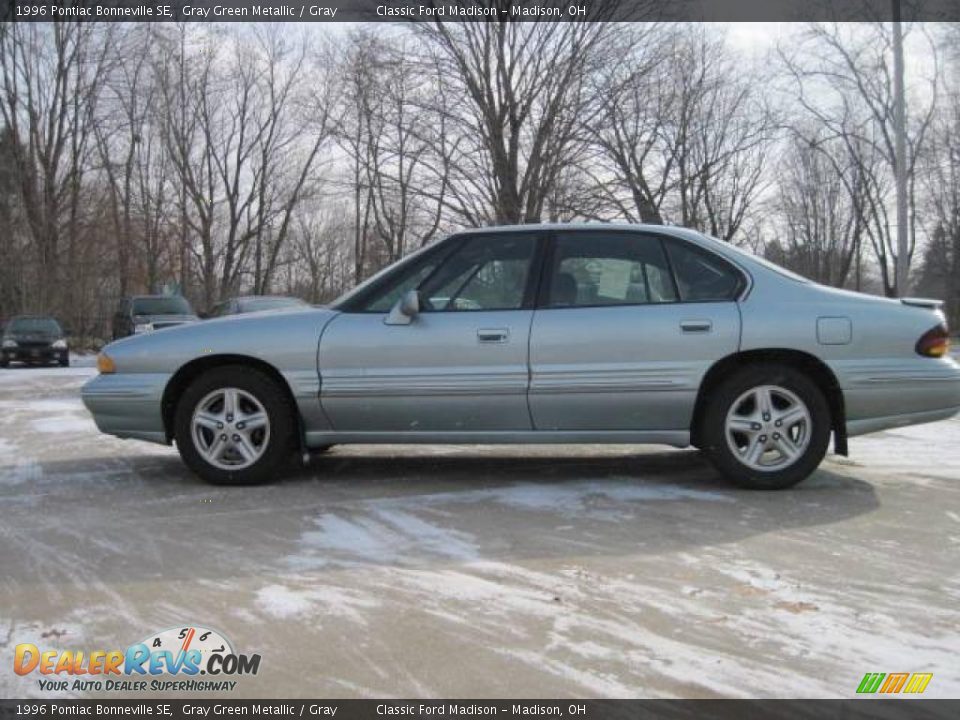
x: 702, y: 276
x: 591, y: 269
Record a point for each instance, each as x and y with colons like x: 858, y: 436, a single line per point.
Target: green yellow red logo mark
x: 894, y: 683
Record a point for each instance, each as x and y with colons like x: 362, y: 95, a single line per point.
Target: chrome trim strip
x: 677, y: 438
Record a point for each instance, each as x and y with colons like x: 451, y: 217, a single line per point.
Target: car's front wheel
x: 767, y: 427
x: 235, y: 425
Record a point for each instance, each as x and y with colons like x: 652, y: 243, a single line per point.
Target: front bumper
x: 34, y: 354
x: 128, y: 405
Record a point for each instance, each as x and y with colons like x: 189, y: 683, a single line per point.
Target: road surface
x: 580, y: 571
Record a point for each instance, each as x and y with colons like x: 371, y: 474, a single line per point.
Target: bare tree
x: 682, y: 133
x: 843, y: 80
x: 244, y: 134
x: 819, y: 206
x: 51, y: 78
x: 940, y: 271
x: 515, y: 99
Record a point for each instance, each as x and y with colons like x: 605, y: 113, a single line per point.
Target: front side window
x: 485, y: 273
x: 591, y: 269
x: 385, y: 295
x: 701, y: 276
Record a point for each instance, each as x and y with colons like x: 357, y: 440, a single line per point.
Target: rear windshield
x: 172, y: 305
x: 759, y: 259
x: 48, y: 326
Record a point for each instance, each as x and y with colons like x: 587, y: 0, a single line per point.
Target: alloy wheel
x: 768, y: 428
x: 230, y: 428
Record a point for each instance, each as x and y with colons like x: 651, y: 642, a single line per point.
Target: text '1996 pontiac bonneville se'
x: 543, y: 334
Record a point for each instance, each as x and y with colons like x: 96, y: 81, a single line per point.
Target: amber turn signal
x: 105, y: 364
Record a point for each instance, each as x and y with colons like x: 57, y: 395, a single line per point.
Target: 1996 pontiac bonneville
x: 543, y: 334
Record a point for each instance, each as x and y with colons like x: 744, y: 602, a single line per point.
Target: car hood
x: 279, y: 338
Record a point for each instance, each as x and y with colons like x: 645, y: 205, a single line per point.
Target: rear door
x: 627, y: 325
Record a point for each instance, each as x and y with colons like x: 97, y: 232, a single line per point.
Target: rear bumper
x: 884, y: 395
x: 128, y: 405
x: 869, y: 425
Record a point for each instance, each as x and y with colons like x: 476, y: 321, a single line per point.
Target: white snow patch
x: 60, y: 425
x: 315, y: 600
x: 280, y: 601
x: 933, y: 447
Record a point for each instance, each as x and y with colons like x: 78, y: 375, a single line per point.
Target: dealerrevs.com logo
x: 171, y: 660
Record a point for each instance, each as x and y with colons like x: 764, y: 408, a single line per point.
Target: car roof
x: 534, y: 227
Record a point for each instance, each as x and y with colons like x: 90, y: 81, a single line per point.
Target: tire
x: 64, y: 361
x: 250, y: 455
x: 747, y: 446
x: 4, y: 363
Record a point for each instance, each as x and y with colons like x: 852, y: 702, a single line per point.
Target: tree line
x: 258, y: 158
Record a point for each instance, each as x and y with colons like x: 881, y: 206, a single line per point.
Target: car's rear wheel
x: 767, y: 427
x: 64, y: 361
x: 235, y: 425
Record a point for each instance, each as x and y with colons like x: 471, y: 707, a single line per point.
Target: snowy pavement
x: 484, y: 572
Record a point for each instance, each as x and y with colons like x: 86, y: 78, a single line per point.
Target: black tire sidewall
x: 726, y: 394
x: 275, y: 402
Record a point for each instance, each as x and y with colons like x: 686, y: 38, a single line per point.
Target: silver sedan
x: 543, y: 334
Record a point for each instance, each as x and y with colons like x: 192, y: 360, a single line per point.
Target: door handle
x: 696, y: 326
x: 493, y: 335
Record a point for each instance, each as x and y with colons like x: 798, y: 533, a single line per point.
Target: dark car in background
x: 256, y: 303
x: 34, y: 339
x: 146, y: 313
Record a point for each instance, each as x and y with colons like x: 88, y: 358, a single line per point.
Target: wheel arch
x: 190, y: 371
x: 809, y: 364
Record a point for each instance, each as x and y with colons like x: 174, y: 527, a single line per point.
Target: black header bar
x: 475, y: 10
x: 548, y: 709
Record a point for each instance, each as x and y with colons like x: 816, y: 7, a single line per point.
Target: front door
x: 627, y: 328
x: 461, y: 363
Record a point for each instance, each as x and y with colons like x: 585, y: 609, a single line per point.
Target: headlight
x: 9, y: 343
x: 105, y: 364
x: 60, y: 345
x: 142, y: 327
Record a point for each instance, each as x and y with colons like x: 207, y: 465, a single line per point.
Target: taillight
x: 935, y: 342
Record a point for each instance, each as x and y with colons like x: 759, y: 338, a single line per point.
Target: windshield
x: 172, y: 305
x: 47, y: 326
x: 758, y: 259
x: 271, y: 303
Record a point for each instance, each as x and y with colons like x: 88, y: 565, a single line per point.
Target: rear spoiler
x: 931, y: 303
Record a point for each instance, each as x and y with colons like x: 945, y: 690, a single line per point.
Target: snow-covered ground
x: 472, y: 572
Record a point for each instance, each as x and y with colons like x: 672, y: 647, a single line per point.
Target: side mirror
x: 406, y: 309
